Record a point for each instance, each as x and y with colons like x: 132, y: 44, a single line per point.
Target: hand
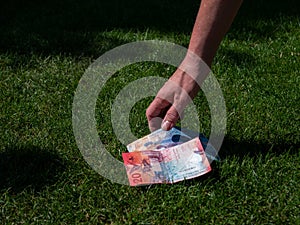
x: 213, y: 20
x: 172, y: 98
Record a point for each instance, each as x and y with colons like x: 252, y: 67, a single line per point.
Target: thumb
x: 170, y: 119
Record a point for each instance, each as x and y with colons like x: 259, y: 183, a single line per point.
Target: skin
x: 212, y: 22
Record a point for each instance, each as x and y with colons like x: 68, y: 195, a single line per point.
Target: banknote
x: 160, y: 139
x: 168, y: 164
x: 145, y: 167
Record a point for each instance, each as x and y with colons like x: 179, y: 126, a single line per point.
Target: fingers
x: 156, y: 112
x: 169, y: 104
x: 170, y: 119
x: 161, y: 114
x: 155, y: 123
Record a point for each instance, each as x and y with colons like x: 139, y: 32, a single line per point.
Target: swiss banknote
x: 165, y: 157
x: 160, y: 139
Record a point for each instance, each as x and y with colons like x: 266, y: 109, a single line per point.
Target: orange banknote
x: 169, y: 164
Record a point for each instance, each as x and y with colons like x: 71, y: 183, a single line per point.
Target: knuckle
x: 150, y: 111
x: 172, y: 115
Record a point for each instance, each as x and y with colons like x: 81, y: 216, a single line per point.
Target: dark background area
x: 70, y: 26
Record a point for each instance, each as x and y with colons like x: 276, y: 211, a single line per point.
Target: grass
x: 45, y: 48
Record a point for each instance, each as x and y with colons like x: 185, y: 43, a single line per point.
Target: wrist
x: 195, y: 67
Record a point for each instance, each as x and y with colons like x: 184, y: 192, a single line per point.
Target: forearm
x: 213, y: 21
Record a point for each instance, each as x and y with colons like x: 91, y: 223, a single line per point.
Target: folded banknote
x: 160, y: 139
x: 167, y: 164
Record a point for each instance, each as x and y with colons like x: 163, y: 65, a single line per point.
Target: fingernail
x: 166, y: 125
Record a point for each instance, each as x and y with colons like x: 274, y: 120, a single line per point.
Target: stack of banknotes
x: 167, y: 157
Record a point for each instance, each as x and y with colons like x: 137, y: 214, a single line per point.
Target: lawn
x: 45, y: 48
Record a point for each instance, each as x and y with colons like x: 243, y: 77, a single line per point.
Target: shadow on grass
x: 259, y: 19
x: 235, y: 58
x: 29, y: 167
x: 73, y: 26
x: 240, y: 150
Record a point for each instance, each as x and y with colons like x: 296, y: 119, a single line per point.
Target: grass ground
x: 45, y: 48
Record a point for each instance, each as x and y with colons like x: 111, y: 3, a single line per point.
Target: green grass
x: 45, y: 48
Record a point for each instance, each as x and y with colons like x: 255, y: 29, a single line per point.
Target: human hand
x: 172, y: 98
